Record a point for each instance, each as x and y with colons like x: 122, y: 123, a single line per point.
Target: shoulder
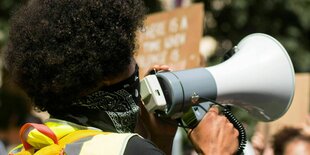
x: 138, y: 145
x: 113, y: 143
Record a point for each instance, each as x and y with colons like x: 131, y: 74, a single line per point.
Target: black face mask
x: 118, y: 101
x: 131, y: 85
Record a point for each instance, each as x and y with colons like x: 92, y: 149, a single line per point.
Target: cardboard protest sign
x: 171, y: 38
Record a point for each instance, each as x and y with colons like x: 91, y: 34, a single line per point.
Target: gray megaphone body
x: 259, y: 78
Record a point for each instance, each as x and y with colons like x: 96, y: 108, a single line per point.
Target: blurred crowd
x: 290, y: 140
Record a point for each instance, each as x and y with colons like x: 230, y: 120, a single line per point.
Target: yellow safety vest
x: 58, y: 137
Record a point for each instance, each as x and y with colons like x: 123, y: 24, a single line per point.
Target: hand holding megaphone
x: 259, y: 78
x: 214, y: 135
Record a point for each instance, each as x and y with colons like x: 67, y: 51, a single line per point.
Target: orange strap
x: 41, y: 128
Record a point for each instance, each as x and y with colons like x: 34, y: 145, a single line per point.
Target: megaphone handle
x: 242, y: 134
x: 239, y: 127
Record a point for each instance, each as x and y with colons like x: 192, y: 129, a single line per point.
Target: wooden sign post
x: 171, y: 38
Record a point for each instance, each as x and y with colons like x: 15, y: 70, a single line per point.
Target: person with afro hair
x: 291, y: 141
x: 75, y: 59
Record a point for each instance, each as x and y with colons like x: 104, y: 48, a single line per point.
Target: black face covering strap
x: 118, y: 101
x: 131, y: 85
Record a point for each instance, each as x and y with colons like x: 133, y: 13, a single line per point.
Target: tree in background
x: 288, y: 21
x: 153, y: 6
x: 229, y: 21
x: 6, y: 8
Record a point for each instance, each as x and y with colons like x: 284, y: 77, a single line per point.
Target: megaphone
x: 259, y: 78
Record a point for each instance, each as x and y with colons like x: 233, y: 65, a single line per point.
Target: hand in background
x: 258, y: 143
x: 306, y: 126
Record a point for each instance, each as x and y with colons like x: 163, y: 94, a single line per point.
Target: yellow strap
x: 55, y: 149
x: 38, y: 140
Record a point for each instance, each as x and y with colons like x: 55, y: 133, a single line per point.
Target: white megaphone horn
x: 259, y: 78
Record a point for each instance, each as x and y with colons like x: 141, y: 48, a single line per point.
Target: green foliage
x: 153, y: 6
x: 6, y: 8
x: 231, y: 20
x: 288, y: 21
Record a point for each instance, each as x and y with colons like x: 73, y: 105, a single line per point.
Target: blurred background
x: 226, y: 22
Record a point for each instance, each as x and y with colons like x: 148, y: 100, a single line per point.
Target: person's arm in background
x: 2, y: 148
x: 214, y: 135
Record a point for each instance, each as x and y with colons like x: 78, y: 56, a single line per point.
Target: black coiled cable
x: 239, y: 127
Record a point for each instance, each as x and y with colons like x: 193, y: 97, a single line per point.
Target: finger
x: 236, y: 132
x: 189, y: 133
x: 155, y: 66
x: 214, y: 109
x: 163, y: 68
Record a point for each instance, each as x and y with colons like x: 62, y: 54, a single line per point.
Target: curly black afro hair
x: 59, y: 48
